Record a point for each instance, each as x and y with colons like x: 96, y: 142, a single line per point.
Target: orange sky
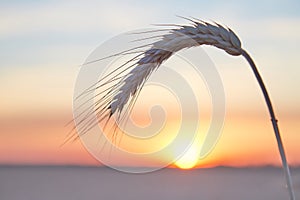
x: 247, y: 139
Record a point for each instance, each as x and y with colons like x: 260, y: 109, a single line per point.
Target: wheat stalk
x: 121, y: 96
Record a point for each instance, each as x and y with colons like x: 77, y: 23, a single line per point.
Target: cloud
x: 74, y: 17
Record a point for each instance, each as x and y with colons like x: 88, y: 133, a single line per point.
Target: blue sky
x: 38, y: 24
x: 52, y: 38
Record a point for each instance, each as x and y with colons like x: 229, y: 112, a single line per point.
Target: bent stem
x: 274, y: 123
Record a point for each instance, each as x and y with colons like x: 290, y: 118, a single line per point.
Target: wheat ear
x: 185, y: 37
x: 121, y: 96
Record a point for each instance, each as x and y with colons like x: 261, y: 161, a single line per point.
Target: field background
x: 71, y: 183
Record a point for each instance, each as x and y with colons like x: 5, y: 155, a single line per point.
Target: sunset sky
x: 43, y: 44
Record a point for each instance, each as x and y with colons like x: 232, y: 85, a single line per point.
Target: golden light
x: 189, y: 159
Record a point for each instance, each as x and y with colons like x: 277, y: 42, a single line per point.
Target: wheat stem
x: 274, y: 123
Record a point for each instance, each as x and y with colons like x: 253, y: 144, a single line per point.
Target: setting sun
x: 189, y: 159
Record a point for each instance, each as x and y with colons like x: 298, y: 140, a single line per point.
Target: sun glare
x: 189, y: 159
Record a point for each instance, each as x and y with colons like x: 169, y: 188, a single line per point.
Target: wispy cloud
x: 66, y: 17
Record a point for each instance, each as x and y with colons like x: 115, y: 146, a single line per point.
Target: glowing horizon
x: 29, y: 143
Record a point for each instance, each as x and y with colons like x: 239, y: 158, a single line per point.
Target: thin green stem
x: 274, y: 123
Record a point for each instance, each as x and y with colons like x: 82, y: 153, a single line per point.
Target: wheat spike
x: 199, y: 33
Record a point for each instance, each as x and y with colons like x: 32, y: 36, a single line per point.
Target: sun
x: 189, y: 159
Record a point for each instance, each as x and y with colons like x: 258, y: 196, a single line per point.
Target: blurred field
x: 55, y: 183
